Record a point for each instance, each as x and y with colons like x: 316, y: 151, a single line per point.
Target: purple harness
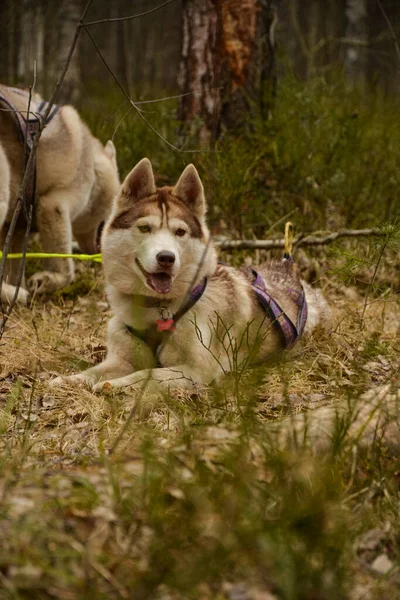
x: 27, y: 129
x: 155, y: 336
x: 290, y: 333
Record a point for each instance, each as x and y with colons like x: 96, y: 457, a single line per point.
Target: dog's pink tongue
x: 161, y: 282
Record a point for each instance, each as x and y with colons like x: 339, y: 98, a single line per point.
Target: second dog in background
x: 77, y: 180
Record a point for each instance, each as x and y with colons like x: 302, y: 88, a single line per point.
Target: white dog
x: 180, y: 318
x: 77, y: 180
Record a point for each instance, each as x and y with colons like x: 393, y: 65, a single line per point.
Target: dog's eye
x: 144, y: 228
x: 180, y: 232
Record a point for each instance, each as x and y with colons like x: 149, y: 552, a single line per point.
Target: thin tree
x: 357, y: 33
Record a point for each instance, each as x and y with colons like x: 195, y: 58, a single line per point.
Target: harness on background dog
x: 27, y: 129
x: 155, y: 336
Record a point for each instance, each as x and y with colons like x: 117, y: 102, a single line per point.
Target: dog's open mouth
x: 160, y: 282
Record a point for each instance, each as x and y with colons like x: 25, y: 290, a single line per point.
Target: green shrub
x: 328, y: 154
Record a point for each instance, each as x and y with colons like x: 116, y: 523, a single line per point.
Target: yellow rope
x: 289, y: 230
x: 91, y: 257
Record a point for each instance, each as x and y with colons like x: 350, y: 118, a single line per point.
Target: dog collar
x: 154, y: 336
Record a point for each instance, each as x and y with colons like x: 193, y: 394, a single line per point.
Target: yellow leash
x: 90, y: 257
x: 289, y: 232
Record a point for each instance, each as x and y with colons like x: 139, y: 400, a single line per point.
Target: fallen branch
x: 314, y: 239
x: 311, y: 240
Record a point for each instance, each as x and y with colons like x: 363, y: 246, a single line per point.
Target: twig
x: 139, y: 102
x: 396, y: 44
x: 31, y: 89
x: 21, y: 270
x: 154, y: 101
x: 130, y: 18
x: 314, y: 239
x: 371, y: 285
x: 177, y: 96
x: 129, y: 99
x: 120, y: 122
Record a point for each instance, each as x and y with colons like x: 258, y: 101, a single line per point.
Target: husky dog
x: 77, y: 179
x: 180, y: 318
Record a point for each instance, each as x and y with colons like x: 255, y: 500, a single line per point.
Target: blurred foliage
x: 327, y: 153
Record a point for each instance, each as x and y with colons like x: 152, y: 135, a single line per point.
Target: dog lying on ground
x: 180, y: 318
x: 77, y: 179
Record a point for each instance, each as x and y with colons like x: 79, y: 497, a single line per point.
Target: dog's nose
x: 165, y: 259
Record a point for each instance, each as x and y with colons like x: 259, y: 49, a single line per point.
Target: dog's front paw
x: 45, y: 282
x: 8, y: 293
x: 23, y: 297
x: 102, y: 386
x: 72, y: 379
x: 128, y: 380
x: 57, y: 382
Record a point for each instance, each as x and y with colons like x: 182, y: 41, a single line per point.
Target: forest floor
x: 191, y: 498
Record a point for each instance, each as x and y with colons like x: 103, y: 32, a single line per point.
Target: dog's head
x: 157, y: 241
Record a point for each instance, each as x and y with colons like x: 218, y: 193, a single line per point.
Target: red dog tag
x: 165, y: 324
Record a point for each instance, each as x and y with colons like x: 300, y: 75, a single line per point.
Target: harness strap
x: 149, y: 336
x: 290, y: 333
x: 42, y: 109
x: 194, y: 296
x: 27, y: 129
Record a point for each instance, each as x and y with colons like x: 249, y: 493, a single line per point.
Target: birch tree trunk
x: 357, y: 32
x: 227, y: 63
x: 69, y: 16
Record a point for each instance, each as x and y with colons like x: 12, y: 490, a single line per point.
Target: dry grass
x: 195, y: 501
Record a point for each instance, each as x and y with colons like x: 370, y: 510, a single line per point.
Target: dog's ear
x: 140, y: 182
x: 111, y: 152
x: 190, y: 190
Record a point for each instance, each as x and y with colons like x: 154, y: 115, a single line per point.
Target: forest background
x: 203, y: 497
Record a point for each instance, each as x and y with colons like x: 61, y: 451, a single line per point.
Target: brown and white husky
x: 180, y: 318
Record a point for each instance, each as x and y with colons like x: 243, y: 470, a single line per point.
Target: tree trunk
x: 357, y: 32
x: 227, y: 63
x: 69, y: 16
